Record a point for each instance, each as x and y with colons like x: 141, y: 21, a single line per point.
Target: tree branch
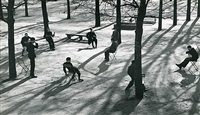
x: 19, y: 4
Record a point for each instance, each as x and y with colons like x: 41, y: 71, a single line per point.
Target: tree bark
x: 68, y: 9
x: 97, y: 14
x: 119, y: 19
x: 175, y: 13
x: 45, y: 16
x: 138, y: 58
x: 160, y: 16
x: 11, y: 43
x: 26, y: 8
x: 198, y: 9
x: 188, y: 10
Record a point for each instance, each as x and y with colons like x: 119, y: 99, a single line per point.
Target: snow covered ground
x: 170, y: 91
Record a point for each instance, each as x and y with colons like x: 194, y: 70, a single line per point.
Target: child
x: 71, y: 68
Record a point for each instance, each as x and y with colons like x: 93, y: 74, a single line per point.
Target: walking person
x: 192, y: 56
x: 49, y: 38
x: 74, y: 70
x: 24, y: 41
x: 31, y: 55
x: 92, y: 38
x: 130, y: 72
x: 114, y: 44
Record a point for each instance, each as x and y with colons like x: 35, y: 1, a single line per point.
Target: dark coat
x: 30, y: 49
x: 193, y: 53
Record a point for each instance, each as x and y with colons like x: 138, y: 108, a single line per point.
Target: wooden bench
x: 80, y: 36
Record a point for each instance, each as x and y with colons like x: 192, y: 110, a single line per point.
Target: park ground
x: 170, y: 91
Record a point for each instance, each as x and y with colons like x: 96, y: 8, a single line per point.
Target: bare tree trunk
x: 198, y: 9
x: 68, y: 9
x: 119, y: 19
x: 11, y: 44
x: 97, y: 14
x: 138, y: 58
x: 1, y: 11
x: 160, y: 16
x: 188, y: 10
x: 45, y: 16
x: 175, y: 13
x: 26, y: 8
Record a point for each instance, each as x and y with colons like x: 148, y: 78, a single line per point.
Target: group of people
x: 29, y: 45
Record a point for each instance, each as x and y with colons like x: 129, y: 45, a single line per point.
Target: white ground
x: 170, y: 92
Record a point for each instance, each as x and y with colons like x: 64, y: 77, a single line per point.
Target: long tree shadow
x: 125, y: 107
x: 23, y: 102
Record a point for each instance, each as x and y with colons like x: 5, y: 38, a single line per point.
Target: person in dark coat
x: 130, y: 72
x: 92, y: 38
x: 24, y: 41
x: 192, y: 56
x: 49, y: 38
x: 71, y: 69
x: 31, y: 55
x: 114, y: 44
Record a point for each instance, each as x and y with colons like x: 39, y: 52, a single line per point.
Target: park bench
x: 80, y: 36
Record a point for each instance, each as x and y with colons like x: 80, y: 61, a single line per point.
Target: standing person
x: 114, y: 44
x: 92, y: 38
x: 31, y: 55
x: 130, y: 72
x: 49, y: 39
x: 24, y: 41
x: 71, y: 68
x: 193, y: 56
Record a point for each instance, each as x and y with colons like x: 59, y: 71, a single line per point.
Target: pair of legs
x: 24, y: 48
x: 93, y: 41
x: 185, y: 62
x: 74, y: 71
x: 32, y: 62
x: 51, y: 43
x: 130, y: 84
x: 107, y: 54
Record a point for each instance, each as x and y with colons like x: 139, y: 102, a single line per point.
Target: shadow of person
x: 187, y: 78
x: 126, y: 106
x: 102, y: 67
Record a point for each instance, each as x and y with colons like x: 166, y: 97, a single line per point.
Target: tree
x: 45, y: 16
x: 188, y: 10
x: 118, y: 10
x: 160, y: 16
x: 11, y: 44
x: 68, y: 10
x: 26, y: 7
x: 175, y: 13
x: 97, y: 14
x: 198, y: 9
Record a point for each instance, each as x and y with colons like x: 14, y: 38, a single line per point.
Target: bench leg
x: 69, y: 36
x: 80, y: 38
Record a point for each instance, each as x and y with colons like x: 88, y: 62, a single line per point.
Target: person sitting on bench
x: 92, y: 38
x: 192, y: 56
x: 71, y: 69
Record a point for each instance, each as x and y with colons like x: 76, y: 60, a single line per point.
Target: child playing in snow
x: 71, y: 68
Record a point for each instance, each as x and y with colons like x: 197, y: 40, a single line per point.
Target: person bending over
x: 192, y: 56
x: 71, y: 68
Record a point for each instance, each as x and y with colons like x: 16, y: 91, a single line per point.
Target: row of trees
x: 141, y: 6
